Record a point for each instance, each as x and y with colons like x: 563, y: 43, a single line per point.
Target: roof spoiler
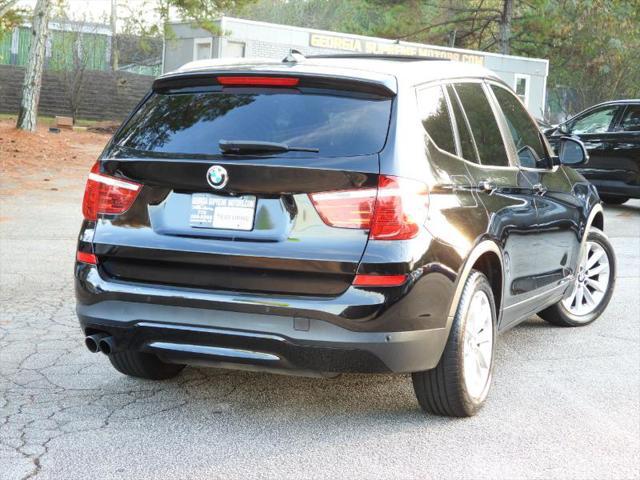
x: 382, y: 87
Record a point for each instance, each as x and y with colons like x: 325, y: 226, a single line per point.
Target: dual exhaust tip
x: 100, y: 342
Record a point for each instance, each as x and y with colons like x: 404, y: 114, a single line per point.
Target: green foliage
x: 201, y: 13
x: 11, y: 19
x: 593, y: 48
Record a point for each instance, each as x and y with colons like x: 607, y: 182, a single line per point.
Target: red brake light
x: 393, y: 211
x: 85, y: 257
x: 106, y: 194
x: 379, y: 280
x: 259, y: 81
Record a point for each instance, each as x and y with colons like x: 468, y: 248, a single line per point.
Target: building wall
x: 107, y: 95
x: 507, y: 68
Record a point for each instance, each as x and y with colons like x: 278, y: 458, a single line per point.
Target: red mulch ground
x: 44, y: 160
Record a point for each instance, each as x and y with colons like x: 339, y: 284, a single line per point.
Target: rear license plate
x: 225, y: 213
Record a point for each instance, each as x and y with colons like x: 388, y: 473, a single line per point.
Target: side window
x: 598, y: 121
x: 466, y: 140
x: 525, y: 132
x: 521, y: 87
x: 434, y: 114
x: 483, y: 124
x: 631, y: 120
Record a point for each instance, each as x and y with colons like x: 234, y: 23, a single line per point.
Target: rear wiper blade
x: 248, y: 147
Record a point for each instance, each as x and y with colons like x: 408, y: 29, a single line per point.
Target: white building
x: 247, y: 38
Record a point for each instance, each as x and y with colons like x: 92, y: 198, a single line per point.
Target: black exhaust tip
x: 107, y: 345
x: 93, y: 341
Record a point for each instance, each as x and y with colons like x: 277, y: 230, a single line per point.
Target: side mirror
x: 572, y: 152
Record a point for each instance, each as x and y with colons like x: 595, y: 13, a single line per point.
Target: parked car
x: 330, y: 215
x: 611, y: 133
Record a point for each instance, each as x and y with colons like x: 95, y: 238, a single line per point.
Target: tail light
x: 346, y: 208
x: 401, y: 209
x: 108, y: 195
x: 393, y: 211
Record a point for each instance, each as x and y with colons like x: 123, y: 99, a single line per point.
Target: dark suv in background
x: 328, y: 215
x: 611, y: 134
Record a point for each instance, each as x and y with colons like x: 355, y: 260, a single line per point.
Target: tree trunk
x: 28, y: 112
x: 505, y: 27
x: 115, y: 54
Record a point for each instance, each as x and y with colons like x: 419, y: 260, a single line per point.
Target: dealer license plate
x: 226, y: 213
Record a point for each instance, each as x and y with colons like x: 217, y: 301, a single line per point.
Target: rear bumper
x: 238, y: 331
x: 199, y: 336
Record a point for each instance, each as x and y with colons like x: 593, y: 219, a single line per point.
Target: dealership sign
x: 380, y: 47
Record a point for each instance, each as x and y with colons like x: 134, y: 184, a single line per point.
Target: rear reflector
x: 259, y: 81
x: 108, y: 195
x: 379, y: 280
x: 85, y: 257
x: 394, y: 211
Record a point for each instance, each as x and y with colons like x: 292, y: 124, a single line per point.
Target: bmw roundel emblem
x: 217, y: 177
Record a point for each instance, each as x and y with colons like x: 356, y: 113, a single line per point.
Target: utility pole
x: 114, y: 37
x: 28, y: 112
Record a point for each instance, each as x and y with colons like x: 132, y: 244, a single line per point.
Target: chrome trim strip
x: 214, y: 351
x: 565, y: 281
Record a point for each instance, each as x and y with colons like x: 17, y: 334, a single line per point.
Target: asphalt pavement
x: 565, y: 403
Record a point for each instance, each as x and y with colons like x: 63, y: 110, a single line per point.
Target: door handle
x: 540, y: 189
x: 487, y: 186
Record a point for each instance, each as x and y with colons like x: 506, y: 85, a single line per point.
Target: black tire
x: 558, y: 314
x: 442, y: 390
x: 143, y: 365
x: 613, y: 200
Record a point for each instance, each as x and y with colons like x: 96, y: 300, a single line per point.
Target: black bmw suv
x: 328, y: 215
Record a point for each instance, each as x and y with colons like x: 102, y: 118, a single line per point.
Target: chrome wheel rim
x: 591, y: 282
x: 478, y: 344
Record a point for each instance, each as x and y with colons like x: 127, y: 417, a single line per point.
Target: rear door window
x: 434, y: 114
x: 483, y: 124
x: 336, y: 123
x: 466, y: 139
x: 631, y: 119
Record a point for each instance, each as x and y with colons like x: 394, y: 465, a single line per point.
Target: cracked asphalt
x: 565, y: 403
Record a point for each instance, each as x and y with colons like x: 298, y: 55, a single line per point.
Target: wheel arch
x: 487, y: 258
x: 594, y: 219
x: 598, y: 220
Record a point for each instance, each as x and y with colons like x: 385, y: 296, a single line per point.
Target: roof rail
x: 374, y: 56
x: 294, y: 56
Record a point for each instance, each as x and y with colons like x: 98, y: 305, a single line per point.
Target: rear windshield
x: 193, y: 123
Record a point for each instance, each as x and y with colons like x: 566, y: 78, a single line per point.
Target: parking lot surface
x: 565, y: 403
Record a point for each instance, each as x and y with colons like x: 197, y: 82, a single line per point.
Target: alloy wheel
x: 591, y: 282
x: 478, y: 344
